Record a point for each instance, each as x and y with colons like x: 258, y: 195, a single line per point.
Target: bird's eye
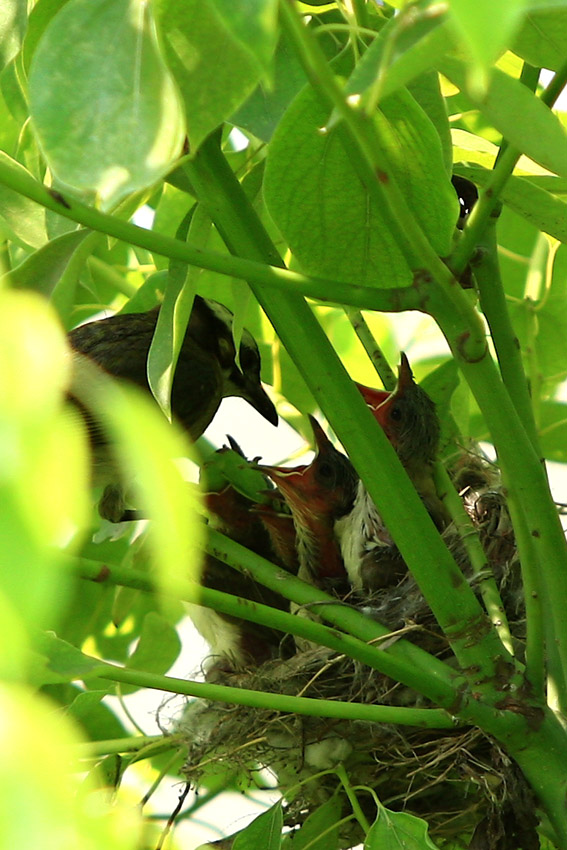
x: 396, y: 413
x: 325, y: 471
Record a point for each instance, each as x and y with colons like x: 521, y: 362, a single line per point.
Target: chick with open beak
x: 318, y: 494
x: 408, y: 418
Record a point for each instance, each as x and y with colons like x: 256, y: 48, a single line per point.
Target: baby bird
x: 407, y: 416
x: 318, y: 494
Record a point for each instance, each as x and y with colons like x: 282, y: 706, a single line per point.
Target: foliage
x: 354, y: 116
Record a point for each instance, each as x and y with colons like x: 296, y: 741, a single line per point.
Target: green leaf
x: 157, y: 649
x: 553, y: 430
x: 542, y: 39
x: 316, y: 199
x: 317, y: 832
x: 39, y: 18
x: 262, y: 111
x: 392, y: 830
x: 104, y: 107
x: 486, y: 31
x: 264, y: 831
x: 522, y: 118
x: 42, y: 454
x: 253, y: 25
x: 402, y: 51
x: 148, y: 449
x: 536, y: 205
x: 425, y: 89
x: 13, y: 21
x: 66, y: 660
x: 175, y: 311
x: 39, y: 762
x: 23, y: 220
x: 42, y: 269
x: 542, y: 327
x: 193, y: 32
x: 96, y: 719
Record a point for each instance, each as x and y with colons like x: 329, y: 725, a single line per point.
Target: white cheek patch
x: 222, y: 636
x: 358, y: 532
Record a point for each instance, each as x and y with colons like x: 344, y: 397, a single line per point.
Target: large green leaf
x: 104, y: 106
x: 13, y: 21
x: 324, y: 212
x: 212, y: 90
x: 253, y: 24
x: 542, y: 39
x: 486, y: 30
x: 519, y: 115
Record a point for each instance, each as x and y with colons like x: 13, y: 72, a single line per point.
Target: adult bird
x: 207, y: 370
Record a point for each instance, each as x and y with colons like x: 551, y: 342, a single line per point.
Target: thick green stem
x: 495, y: 309
x: 523, y: 467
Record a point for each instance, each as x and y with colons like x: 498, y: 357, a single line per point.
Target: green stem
x: 108, y: 274
x: 495, y: 309
x: 363, y: 332
x: 431, y: 676
x: 134, y: 744
x: 522, y: 466
x: 278, y: 702
x: 533, y: 592
x: 475, y: 552
x: 353, y: 800
x: 328, y: 291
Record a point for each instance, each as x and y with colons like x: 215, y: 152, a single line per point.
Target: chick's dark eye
x: 325, y: 472
x: 396, y: 413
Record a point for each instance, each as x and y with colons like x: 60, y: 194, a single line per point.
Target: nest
x: 460, y: 781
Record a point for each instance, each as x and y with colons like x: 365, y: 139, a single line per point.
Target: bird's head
x: 321, y: 491
x: 407, y: 416
x: 213, y: 324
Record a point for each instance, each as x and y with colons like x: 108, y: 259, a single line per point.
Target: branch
x: 329, y: 291
x: 430, y: 676
x: 423, y: 717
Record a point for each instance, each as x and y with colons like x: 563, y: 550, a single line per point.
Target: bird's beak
x: 373, y: 398
x: 405, y: 375
x: 294, y: 483
x: 256, y: 395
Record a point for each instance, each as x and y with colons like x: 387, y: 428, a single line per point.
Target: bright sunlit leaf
x: 104, y: 106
